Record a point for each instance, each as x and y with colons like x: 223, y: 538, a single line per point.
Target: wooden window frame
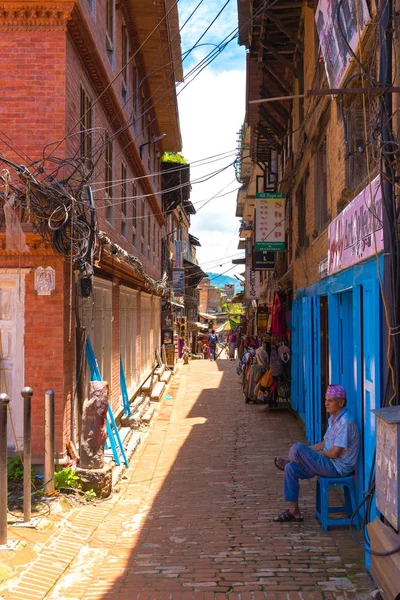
x: 86, y: 128
x: 110, y: 19
x: 321, y: 215
x: 109, y: 178
x: 134, y: 214
x: 124, y: 58
x: 124, y: 203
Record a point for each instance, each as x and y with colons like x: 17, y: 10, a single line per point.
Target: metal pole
x: 49, y: 441
x: 4, y: 401
x: 27, y: 394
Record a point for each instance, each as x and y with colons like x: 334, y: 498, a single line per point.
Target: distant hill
x: 220, y: 280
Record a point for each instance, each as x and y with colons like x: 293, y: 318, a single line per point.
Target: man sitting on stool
x: 335, y: 456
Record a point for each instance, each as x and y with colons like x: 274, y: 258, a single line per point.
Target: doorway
x: 12, y: 302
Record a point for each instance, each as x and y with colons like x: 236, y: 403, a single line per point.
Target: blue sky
x: 211, y: 112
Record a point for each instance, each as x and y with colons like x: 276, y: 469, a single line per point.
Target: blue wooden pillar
x: 316, y: 367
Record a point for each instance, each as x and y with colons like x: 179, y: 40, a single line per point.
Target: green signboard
x: 270, y: 246
x: 269, y: 195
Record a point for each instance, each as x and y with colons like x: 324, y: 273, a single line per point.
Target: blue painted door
x: 371, y: 374
x: 372, y: 347
x: 308, y: 369
x: 317, y: 367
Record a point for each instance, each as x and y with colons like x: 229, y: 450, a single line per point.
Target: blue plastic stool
x: 322, y: 501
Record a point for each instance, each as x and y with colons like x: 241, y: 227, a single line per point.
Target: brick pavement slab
x: 194, y: 518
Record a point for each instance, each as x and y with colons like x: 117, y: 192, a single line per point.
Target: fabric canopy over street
x: 229, y: 325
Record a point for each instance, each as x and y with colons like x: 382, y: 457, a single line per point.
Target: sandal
x: 287, y: 517
x: 281, y: 463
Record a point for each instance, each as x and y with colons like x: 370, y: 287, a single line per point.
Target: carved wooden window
x: 110, y: 11
x: 359, y: 142
x: 124, y: 194
x: 86, y: 128
x: 301, y: 203
x: 124, y: 59
x: 321, y: 187
x: 149, y: 235
x: 142, y: 224
x: 135, y: 201
x: 108, y: 178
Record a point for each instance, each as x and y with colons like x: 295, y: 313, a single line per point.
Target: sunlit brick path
x: 195, y: 520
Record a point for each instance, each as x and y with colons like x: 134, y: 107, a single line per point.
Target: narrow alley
x: 194, y: 519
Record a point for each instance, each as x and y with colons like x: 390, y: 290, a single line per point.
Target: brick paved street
x: 194, y: 519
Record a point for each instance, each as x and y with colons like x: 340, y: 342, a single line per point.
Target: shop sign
x: 178, y: 281
x: 252, y: 284
x: 270, y: 222
x: 323, y: 268
x: 334, y: 42
x: 357, y: 232
x: 263, y: 260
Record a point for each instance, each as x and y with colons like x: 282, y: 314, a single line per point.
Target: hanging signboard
x: 333, y: 36
x: 357, y: 232
x: 252, y: 284
x: 270, y: 222
x: 178, y: 254
x: 263, y: 260
x: 178, y: 282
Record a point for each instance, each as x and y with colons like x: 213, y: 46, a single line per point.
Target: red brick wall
x: 32, y: 84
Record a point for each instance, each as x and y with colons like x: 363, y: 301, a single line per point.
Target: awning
x: 229, y: 325
x: 201, y: 325
x: 177, y: 305
x: 194, y: 273
x: 194, y: 240
x: 239, y: 261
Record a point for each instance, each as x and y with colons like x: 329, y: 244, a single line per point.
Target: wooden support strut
x: 285, y: 29
x: 285, y: 61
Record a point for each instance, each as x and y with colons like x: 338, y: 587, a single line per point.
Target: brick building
x: 88, y: 97
x: 312, y: 140
x: 210, y: 297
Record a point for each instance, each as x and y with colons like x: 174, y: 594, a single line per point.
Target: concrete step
x: 166, y: 377
x: 149, y: 384
x: 157, y: 392
x: 148, y: 415
x: 138, y: 409
x: 137, y: 403
x: 159, y: 372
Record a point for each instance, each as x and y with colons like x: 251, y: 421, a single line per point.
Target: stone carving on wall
x: 45, y: 281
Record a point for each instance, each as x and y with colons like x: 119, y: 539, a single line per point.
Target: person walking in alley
x: 212, y: 344
x: 232, y: 345
x: 335, y: 456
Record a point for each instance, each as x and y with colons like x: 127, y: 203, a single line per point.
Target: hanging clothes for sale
x: 278, y: 323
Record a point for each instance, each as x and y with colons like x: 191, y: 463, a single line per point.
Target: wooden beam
x: 273, y: 77
x: 279, y: 57
x: 286, y: 30
x: 277, y: 105
x: 272, y: 123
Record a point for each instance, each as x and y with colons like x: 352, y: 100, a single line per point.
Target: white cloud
x: 211, y: 113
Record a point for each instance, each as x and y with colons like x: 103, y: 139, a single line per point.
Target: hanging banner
x: 252, y: 284
x: 333, y: 38
x: 270, y: 222
x: 178, y: 282
x: 357, y: 232
x: 178, y: 254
